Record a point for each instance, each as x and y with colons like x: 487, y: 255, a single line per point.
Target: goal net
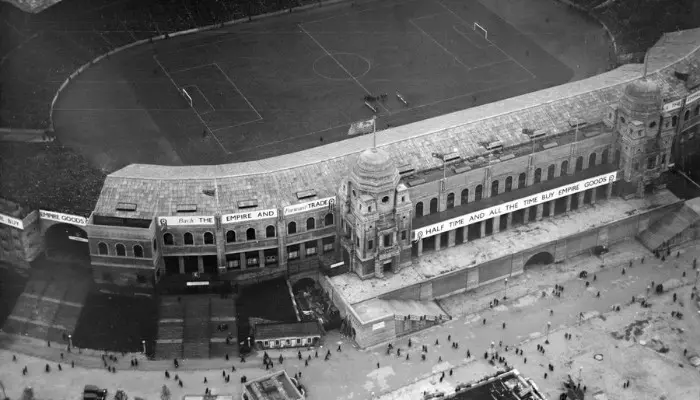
x: 481, y: 30
x: 187, y: 96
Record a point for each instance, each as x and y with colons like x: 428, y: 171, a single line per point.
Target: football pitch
x: 296, y: 81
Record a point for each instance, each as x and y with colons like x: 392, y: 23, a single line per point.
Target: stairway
x: 195, y: 335
x: 670, y: 225
x: 171, y: 313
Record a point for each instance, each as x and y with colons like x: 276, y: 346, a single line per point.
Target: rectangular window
x: 403, y: 235
x: 387, y: 240
x: 298, y: 341
x: 267, y: 343
x: 293, y: 255
x: 370, y: 244
x: 277, y: 342
x: 252, y: 261
x: 327, y: 247
x: 310, y: 251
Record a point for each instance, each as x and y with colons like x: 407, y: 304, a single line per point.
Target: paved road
x: 353, y: 373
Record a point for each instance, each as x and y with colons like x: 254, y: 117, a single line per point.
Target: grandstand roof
x: 274, y: 182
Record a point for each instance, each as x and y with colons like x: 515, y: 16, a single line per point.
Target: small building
x: 508, y: 385
x: 281, y: 335
x: 273, y: 387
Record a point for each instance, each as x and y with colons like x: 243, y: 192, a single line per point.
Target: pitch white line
x: 340, y: 65
x: 191, y: 68
x: 491, y: 64
x: 237, y: 125
x: 465, y: 95
x: 195, y: 111
x: 439, y: 45
x: 238, y: 90
x: 494, y: 44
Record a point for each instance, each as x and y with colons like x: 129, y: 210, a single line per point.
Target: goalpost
x: 480, y: 29
x: 187, y: 96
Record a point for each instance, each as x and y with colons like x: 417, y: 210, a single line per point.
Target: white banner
x: 13, y: 222
x: 674, y: 105
x: 65, y: 218
x: 378, y: 325
x: 692, y: 97
x: 328, y: 202
x: 511, y: 206
x: 248, y: 216
x: 192, y: 220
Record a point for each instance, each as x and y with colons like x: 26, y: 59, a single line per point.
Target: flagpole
x: 374, y: 132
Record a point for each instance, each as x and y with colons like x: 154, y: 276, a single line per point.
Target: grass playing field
x: 297, y: 81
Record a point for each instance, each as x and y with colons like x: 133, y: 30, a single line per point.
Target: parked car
x: 600, y: 250
x: 92, y: 392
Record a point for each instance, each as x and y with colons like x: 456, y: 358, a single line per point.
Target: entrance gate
x: 65, y: 241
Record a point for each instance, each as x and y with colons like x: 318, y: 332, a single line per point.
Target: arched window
x: 168, y: 239
x: 522, y: 180
x: 208, y: 238
x: 121, y: 250
x: 564, y: 167
x: 270, y: 231
x: 604, y: 157
x: 579, y: 164
x: 138, y: 251
x: 686, y: 115
x: 617, y: 158
x: 419, y: 209
x: 550, y: 172
x: 328, y: 219
x: 478, y: 192
x: 674, y: 120
x: 494, y: 188
x: 451, y: 200
x: 250, y: 234
x: 538, y: 175
x: 230, y: 236
x: 465, y: 196
x: 509, y: 184
x: 433, y: 205
x: 102, y: 249
x: 310, y: 224
x: 291, y: 228
x: 591, y: 160
x: 189, y: 239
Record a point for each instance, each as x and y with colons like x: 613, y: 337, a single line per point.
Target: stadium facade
x: 373, y: 212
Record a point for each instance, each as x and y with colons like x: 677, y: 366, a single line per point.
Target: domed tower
x: 375, y: 216
x: 641, y: 143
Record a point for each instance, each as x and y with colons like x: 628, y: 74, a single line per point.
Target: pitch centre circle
x: 352, y: 66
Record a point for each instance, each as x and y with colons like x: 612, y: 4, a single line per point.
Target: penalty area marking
x: 177, y: 88
x: 488, y: 40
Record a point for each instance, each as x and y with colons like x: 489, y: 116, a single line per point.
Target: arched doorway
x: 303, y: 285
x: 540, y: 259
x: 67, y: 242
